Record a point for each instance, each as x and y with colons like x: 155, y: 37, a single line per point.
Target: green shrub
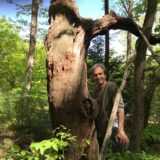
x: 51, y: 149
x: 130, y: 156
x: 150, y: 135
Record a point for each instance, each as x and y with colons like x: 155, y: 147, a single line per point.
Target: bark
x: 141, y: 48
x: 30, y: 63
x: 66, y: 44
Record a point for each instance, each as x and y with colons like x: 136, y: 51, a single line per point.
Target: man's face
x: 99, y: 76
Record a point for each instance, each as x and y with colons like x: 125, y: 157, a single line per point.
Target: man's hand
x: 122, y: 138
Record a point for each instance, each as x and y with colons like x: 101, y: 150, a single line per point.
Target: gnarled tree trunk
x: 66, y: 74
x: 66, y: 44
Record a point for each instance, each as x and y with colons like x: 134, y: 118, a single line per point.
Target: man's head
x: 98, y: 73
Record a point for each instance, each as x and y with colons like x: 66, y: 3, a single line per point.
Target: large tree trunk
x: 66, y: 44
x: 141, y: 48
x: 67, y: 81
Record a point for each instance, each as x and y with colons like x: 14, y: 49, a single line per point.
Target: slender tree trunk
x: 138, y: 122
x: 129, y: 41
x: 106, y: 7
x: 30, y: 63
x: 129, y: 37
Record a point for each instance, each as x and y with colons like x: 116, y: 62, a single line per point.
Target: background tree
x: 107, y: 51
x: 12, y: 70
x: 141, y: 47
x: 96, y: 51
x: 30, y: 63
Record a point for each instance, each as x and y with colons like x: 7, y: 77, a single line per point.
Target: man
x: 104, y: 93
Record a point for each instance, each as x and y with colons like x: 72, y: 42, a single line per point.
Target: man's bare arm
x: 121, y: 136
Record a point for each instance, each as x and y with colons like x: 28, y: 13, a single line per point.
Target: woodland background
x: 24, y: 113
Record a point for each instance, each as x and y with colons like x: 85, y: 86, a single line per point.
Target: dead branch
x: 113, y: 21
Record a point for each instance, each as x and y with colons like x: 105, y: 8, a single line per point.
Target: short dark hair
x: 98, y: 65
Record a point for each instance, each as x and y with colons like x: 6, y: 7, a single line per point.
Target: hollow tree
x: 66, y: 44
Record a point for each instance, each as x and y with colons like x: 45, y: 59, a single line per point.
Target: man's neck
x: 102, y: 85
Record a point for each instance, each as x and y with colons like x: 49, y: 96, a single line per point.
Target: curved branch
x: 129, y: 25
x: 112, y: 21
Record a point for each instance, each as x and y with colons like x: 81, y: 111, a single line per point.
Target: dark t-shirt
x: 105, y: 99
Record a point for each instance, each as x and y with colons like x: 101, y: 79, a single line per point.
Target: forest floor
x: 25, y: 136
x: 21, y: 136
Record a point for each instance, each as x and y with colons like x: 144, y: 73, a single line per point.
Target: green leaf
x: 34, y: 146
x: 42, y: 150
x: 55, y: 147
x: 15, y: 148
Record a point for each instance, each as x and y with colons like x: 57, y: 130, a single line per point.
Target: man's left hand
x: 122, y: 138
